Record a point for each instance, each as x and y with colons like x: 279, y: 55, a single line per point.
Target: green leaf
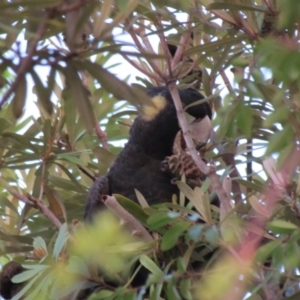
x: 159, y: 219
x: 250, y: 185
x: 172, y: 292
x: 73, y: 179
x: 129, y: 296
x: 279, y: 115
x: 195, y: 232
x: 26, y: 275
x: 181, y: 265
x: 4, y: 202
x: 20, y: 239
x: 40, y: 290
x: 117, y: 87
x: 244, y: 119
x: 281, y: 226
x: 38, y: 272
x: 104, y: 155
x: 4, y: 124
x: 215, y: 45
x: 80, y: 96
x: 59, y: 182
x: 170, y: 238
x: 151, y: 266
x: 55, y: 203
x: 43, y: 94
x: 19, y: 99
x: 61, y: 240
x: 47, y: 135
x: 70, y: 157
x: 198, y: 199
x: 132, y: 208
x: 203, y: 203
x: 280, y: 139
x: 103, y: 294
x: 266, y: 250
x: 77, y: 265
x: 22, y: 142
x: 212, y: 235
x: 269, y: 91
x: 71, y: 115
x: 39, y: 242
x: 185, y: 289
x: 289, y: 13
x: 234, y: 6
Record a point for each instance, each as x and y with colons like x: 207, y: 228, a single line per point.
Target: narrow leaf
x: 80, y: 96
x: 61, y: 239
x: 18, y: 101
x: 170, y: 238
x: 151, y: 266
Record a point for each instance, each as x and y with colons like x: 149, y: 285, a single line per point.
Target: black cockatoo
x: 138, y: 166
x: 151, y: 139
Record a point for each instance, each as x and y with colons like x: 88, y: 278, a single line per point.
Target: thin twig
x: 207, y: 170
x: 73, y: 6
x: 228, y: 158
x: 45, y: 210
x: 241, y: 26
x: 270, y: 6
x: 181, y: 47
x: 43, y: 179
x: 146, y: 41
x: 191, y: 68
x: 101, y: 135
x: 225, y: 208
x: 226, y: 81
x: 84, y: 171
x: 38, y: 204
x: 164, y: 45
x: 45, y: 159
x: 249, y: 156
x: 143, y: 50
x: 134, y: 64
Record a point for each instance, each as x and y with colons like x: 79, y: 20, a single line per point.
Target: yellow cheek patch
x: 151, y: 111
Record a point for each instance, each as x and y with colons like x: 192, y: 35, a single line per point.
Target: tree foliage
x: 56, y: 59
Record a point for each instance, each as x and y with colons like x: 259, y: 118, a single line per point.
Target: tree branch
x: 38, y: 204
x: 128, y: 220
x: 72, y: 6
x: 207, y: 170
x: 150, y: 75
